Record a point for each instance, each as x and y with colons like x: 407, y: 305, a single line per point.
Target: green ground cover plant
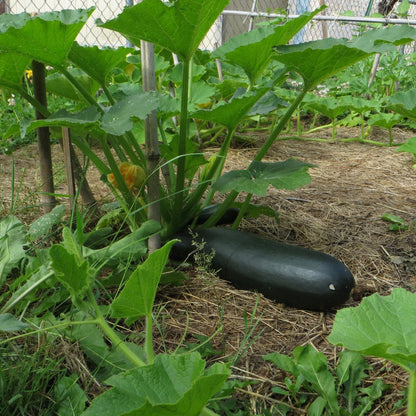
x: 382, y: 326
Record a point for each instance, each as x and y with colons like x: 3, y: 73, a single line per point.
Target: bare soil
x: 338, y: 213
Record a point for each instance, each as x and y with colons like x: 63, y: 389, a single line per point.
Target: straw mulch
x: 338, y: 213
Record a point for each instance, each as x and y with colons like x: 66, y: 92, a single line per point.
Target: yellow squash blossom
x: 29, y: 74
x: 133, y: 175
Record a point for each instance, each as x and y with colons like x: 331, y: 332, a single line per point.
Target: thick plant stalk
x: 183, y: 136
x: 152, y: 144
x: 112, y: 336
x: 44, y: 145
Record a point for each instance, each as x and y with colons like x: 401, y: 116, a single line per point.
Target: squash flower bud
x: 133, y: 175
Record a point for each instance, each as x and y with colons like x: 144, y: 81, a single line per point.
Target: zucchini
x: 229, y: 216
x: 296, y: 276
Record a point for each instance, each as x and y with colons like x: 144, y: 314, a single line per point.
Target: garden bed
x: 338, y: 213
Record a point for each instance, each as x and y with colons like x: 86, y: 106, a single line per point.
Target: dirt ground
x: 338, y: 213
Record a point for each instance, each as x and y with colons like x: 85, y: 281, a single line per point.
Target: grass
x: 28, y: 374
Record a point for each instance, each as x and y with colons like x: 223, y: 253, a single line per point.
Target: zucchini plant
x: 110, y: 106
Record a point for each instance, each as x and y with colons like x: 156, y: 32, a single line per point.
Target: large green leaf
x: 12, y: 68
x: 384, y: 120
x: 97, y: 62
x: 231, y: 113
x: 47, y: 37
x: 137, y: 297
x: 290, y: 174
x: 59, y: 84
x: 381, y: 326
x: 172, y: 385
x: 118, y: 119
x: 409, y: 146
x: 267, y: 103
x: 403, y: 103
x: 12, y: 241
x: 317, y: 60
x: 395, y: 35
x: 360, y: 105
x: 330, y: 106
x: 87, y: 117
x: 252, y: 51
x: 178, y: 26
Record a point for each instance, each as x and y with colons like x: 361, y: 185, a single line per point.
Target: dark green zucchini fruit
x: 229, y: 216
x: 288, y: 274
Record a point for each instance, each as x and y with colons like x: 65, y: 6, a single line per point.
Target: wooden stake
x: 44, y: 144
x: 152, y: 144
x: 66, y: 147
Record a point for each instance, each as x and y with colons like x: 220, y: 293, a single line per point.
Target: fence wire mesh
x: 240, y: 16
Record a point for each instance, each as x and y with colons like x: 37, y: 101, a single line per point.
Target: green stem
x: 213, y: 219
x: 362, y: 126
x: 217, y: 168
x: 367, y: 141
x: 242, y: 211
x: 183, y: 136
x: 280, y: 126
x: 81, y: 89
x: 108, y: 94
x: 214, y: 138
x: 411, y: 395
x: 38, y: 106
x: 299, y: 124
x: 116, y: 341
x: 194, y: 199
x: 313, y: 130
x: 207, y: 412
x: 127, y: 141
x: 39, y: 331
x: 149, y: 339
x: 86, y: 149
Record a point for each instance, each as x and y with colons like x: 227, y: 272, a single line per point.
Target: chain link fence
x: 340, y: 19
